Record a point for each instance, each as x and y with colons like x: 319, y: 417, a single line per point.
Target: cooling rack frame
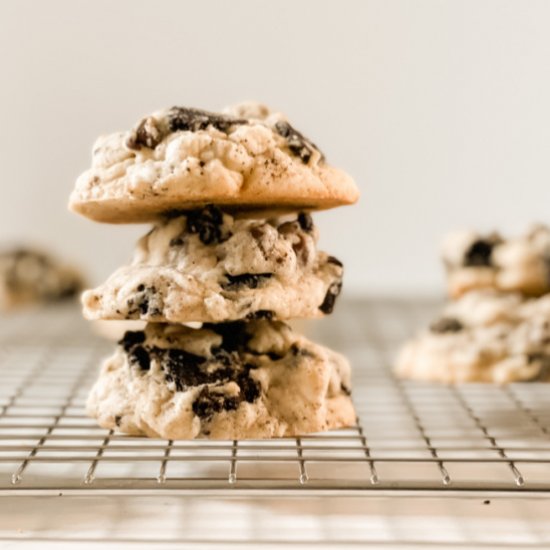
x: 422, y: 439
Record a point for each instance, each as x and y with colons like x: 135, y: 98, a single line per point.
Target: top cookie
x: 245, y: 159
x: 518, y: 264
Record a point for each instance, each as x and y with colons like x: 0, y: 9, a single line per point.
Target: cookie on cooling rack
x: 206, y: 266
x: 225, y: 381
x: 520, y: 264
x: 247, y: 158
x: 31, y: 276
x: 488, y: 306
x: 483, y: 337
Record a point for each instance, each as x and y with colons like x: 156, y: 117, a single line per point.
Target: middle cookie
x: 206, y: 266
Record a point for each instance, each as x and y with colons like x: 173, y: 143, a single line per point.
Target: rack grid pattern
x: 409, y: 436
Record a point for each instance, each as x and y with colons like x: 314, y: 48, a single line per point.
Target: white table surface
x: 168, y: 522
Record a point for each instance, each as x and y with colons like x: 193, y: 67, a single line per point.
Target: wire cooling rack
x: 410, y: 437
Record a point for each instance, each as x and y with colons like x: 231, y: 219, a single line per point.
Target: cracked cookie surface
x: 246, y: 159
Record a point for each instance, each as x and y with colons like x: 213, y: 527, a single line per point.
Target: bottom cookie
x: 483, y: 337
x: 227, y: 381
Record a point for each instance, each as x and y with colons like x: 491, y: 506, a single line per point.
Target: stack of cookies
x: 497, y: 328
x: 232, y: 255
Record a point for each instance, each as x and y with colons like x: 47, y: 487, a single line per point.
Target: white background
x: 441, y: 111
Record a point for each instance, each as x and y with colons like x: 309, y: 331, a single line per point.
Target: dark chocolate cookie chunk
x: 189, y: 119
x: 479, y: 254
x: 145, y: 302
x: 330, y: 298
x: 147, y: 133
x: 297, y: 142
x: 206, y: 223
x: 245, y: 280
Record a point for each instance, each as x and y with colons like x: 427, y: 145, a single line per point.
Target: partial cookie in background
x: 520, y: 264
x: 209, y: 267
x: 32, y: 276
x: 488, y: 307
x: 245, y: 159
x: 225, y: 381
x: 483, y: 337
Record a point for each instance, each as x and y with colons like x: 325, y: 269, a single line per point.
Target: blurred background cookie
x: 488, y: 260
x: 30, y: 275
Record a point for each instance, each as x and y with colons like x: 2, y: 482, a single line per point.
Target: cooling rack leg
x: 162, y: 473
x: 232, y: 479
x: 303, y: 473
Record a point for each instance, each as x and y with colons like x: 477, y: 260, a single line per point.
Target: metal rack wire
x: 410, y: 437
